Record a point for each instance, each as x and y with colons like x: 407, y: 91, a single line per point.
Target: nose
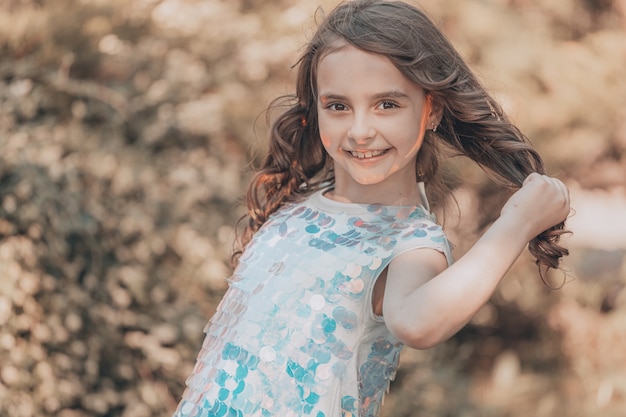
x: 361, y: 128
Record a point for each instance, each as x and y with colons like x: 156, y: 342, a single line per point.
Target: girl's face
x: 372, y: 121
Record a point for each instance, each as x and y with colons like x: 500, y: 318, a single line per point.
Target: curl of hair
x: 472, y: 123
x: 295, y: 166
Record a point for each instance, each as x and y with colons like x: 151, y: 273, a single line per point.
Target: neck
x: 376, y: 194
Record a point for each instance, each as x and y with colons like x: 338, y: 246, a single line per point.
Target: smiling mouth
x: 367, y: 154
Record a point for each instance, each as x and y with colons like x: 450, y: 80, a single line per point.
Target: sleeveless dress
x: 295, y: 334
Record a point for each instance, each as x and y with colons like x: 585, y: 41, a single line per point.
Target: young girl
x: 343, y: 263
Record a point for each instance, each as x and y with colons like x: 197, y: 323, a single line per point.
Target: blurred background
x: 129, y: 129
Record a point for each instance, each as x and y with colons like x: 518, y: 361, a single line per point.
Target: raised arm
x: 425, y: 303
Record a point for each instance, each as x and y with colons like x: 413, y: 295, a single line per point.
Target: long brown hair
x: 473, y: 123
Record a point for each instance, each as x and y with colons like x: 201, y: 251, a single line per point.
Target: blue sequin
x: 322, y: 356
x: 329, y: 325
x: 313, y: 398
x: 304, y: 310
x: 312, y: 229
x: 346, y: 318
x: 223, y: 394
x: 213, y: 410
x: 221, y: 377
x: 349, y: 403
x: 240, y: 387
x: 326, y: 221
x: 242, y: 372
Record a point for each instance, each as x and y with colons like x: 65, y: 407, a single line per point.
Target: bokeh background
x: 128, y: 131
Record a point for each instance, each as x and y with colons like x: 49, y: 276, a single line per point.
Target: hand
x: 539, y: 204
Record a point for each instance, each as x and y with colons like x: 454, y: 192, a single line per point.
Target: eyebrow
x: 387, y: 94
x: 390, y: 94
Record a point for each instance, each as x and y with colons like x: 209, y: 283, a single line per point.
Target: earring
x: 434, y: 128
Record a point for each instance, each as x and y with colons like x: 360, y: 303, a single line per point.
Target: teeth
x: 364, y: 155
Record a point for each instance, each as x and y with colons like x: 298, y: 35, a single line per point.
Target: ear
x: 436, y: 111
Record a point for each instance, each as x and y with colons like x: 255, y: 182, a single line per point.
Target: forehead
x: 347, y: 67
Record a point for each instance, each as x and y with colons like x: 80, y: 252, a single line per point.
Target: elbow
x: 417, y: 336
x: 423, y: 341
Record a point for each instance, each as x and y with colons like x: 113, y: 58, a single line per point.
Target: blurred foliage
x: 126, y: 134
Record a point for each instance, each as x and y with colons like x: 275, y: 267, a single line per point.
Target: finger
x: 561, y: 186
x: 531, y: 177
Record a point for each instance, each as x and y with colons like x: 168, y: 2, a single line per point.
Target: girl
x: 343, y: 263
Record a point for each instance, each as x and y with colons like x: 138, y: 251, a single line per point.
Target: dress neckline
x: 319, y: 200
x: 328, y: 202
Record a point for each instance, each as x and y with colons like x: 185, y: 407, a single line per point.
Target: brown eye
x: 386, y: 105
x: 336, y: 107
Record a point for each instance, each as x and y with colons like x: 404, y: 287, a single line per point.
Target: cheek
x: 325, y: 140
x: 420, y: 131
x: 325, y: 132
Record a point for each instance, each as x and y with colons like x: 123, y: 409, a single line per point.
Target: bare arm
x: 425, y: 303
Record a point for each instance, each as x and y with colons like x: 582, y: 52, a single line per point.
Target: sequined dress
x: 295, y: 334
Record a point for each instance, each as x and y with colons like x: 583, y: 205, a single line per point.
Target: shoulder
x: 423, y: 233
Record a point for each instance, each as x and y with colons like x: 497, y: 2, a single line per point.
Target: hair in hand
x: 473, y: 124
